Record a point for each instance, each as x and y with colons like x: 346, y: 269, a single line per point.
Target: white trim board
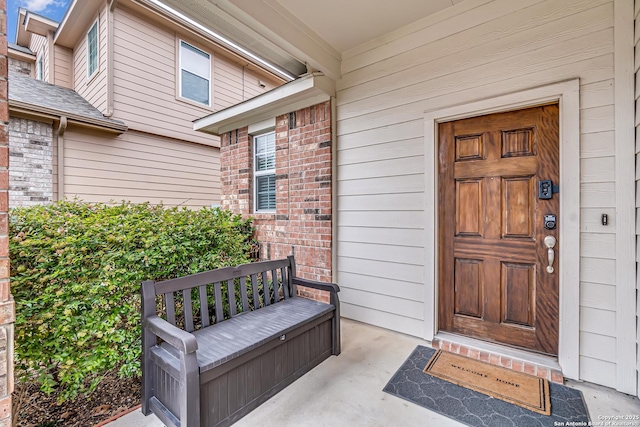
x: 304, y: 92
x: 568, y: 95
x: 625, y: 196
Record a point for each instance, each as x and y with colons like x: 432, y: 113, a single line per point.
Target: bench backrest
x: 202, y: 299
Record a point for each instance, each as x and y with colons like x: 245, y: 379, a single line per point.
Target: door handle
x: 550, y: 243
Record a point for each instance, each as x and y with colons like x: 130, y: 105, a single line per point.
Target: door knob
x: 550, y: 243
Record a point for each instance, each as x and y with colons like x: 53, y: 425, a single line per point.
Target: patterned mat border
x: 476, y: 409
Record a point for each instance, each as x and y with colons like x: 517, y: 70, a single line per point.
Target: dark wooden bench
x: 230, y: 339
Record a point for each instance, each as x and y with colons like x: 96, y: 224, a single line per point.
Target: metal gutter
x: 50, y: 113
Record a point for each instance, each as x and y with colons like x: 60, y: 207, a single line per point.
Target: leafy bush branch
x: 76, y: 270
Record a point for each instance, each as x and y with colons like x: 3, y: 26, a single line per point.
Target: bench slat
x: 265, y: 288
x: 188, y: 310
x: 217, y: 291
x: 194, y: 280
x: 254, y: 291
x: 232, y: 297
x: 219, y: 275
x: 243, y: 294
x: 285, y: 282
x: 204, y: 306
x: 276, y: 285
x: 170, y: 307
x: 258, y: 267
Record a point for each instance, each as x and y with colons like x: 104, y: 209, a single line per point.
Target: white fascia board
x: 79, y: 15
x: 13, y: 53
x: 39, y: 25
x: 304, y: 92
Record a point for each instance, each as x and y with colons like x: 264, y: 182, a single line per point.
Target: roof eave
x: 304, y: 92
x: 23, y: 38
x: 40, y: 25
x: 78, y: 17
x: 105, y: 125
x: 13, y: 53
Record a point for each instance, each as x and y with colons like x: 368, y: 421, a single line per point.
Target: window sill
x: 195, y: 104
x: 93, y: 76
x: 270, y: 215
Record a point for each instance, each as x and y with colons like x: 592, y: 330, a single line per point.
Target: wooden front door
x: 494, y: 282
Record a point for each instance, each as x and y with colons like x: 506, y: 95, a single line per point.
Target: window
x: 92, y: 50
x: 195, y: 74
x: 264, y: 172
x: 39, y: 68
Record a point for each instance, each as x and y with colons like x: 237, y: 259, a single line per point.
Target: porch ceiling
x: 347, y: 24
x: 295, y: 33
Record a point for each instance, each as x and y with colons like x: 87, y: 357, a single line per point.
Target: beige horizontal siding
x: 146, y: 78
x: 63, y: 58
x: 637, y: 103
x: 93, y: 90
x: 39, y: 45
x: 485, y: 50
x: 140, y: 167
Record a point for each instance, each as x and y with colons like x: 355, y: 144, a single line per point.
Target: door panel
x: 518, y: 207
x: 493, y: 282
x: 468, y: 276
x: 469, y: 212
x: 518, y: 285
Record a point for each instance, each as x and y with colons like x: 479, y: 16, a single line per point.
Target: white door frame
x: 568, y: 95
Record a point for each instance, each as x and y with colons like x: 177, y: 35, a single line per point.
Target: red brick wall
x: 302, y: 222
x: 7, y: 312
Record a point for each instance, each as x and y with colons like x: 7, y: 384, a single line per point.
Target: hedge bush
x: 76, y: 270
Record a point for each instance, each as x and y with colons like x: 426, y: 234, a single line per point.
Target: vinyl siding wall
x: 40, y: 45
x: 145, y: 80
x: 94, y: 89
x: 63, y: 60
x: 474, y: 50
x: 234, y: 83
x: 637, y: 123
x: 139, y: 167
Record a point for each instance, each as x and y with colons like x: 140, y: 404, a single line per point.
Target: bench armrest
x: 330, y: 287
x: 176, y: 337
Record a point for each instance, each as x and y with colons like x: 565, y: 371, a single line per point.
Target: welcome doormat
x: 477, y: 409
x: 524, y: 390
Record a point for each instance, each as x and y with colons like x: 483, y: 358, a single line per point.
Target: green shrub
x: 76, y: 270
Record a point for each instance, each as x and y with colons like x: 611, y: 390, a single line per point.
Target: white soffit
x: 301, y: 93
x: 40, y: 25
x: 22, y: 36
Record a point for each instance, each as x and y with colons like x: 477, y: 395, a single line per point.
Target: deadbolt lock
x: 550, y: 222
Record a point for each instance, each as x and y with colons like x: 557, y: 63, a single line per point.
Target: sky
x: 52, y: 9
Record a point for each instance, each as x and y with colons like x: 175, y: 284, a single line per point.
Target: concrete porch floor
x: 347, y: 390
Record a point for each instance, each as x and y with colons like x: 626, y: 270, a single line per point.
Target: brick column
x: 7, y: 311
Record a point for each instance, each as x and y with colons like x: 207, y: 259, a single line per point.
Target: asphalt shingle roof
x: 20, y: 48
x: 40, y: 94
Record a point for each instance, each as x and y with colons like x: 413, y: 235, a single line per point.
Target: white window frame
x: 257, y: 174
x: 40, y: 68
x: 208, y: 78
x: 89, y: 73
